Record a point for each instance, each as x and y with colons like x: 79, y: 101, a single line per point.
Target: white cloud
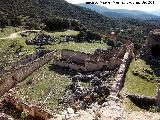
x: 149, y: 7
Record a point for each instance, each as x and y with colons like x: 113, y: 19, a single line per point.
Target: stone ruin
x: 17, y: 73
x: 150, y: 53
x: 153, y: 43
x: 80, y: 61
x: 14, y: 107
x: 104, y: 70
x: 105, y: 80
x: 42, y: 39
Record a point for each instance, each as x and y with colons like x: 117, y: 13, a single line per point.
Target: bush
x: 111, y: 42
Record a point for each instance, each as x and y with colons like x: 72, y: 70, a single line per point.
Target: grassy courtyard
x: 142, y: 83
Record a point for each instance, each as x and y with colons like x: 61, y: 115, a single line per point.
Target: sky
x: 112, y: 5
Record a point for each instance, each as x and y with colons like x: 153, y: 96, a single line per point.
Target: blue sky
x: 141, y: 7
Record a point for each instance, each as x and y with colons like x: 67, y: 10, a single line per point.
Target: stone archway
x: 155, y: 50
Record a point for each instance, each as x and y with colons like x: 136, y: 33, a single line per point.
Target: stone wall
x: 18, y: 74
x: 141, y: 101
x: 74, y: 55
x: 152, y: 40
x: 87, y: 66
x: 91, y: 66
x: 18, y: 107
x: 158, y: 95
x: 120, y: 75
x: 110, y: 58
x: 24, y: 61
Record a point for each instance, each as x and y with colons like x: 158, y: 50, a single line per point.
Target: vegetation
x: 83, y: 47
x: 62, y: 15
x: 8, y: 30
x: 136, y: 84
x: 41, y: 84
x: 45, y: 86
x: 65, y: 32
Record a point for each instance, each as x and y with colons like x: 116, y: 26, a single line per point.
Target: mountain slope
x: 42, y: 10
x: 120, y: 13
x: 155, y: 12
x: 97, y: 8
x: 48, y: 9
x: 45, y: 9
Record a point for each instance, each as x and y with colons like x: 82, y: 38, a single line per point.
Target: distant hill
x: 120, y: 13
x: 97, y: 8
x: 155, y: 12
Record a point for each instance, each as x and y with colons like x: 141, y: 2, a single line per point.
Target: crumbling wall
x: 141, y: 101
x: 24, y: 61
x: 18, y: 106
x: 110, y: 59
x: 114, y: 63
x: 107, y: 54
x: 120, y: 75
x: 17, y: 75
x: 87, y: 66
x: 28, y: 59
x: 74, y: 55
x: 158, y: 95
x: 152, y: 40
x: 92, y: 66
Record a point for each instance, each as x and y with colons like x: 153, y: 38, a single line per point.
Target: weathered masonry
x: 153, y: 43
x: 80, y: 61
x: 19, y: 73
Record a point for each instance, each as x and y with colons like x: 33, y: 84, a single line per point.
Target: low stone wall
x: 120, y: 75
x: 28, y: 59
x: 74, y: 55
x: 141, y: 101
x: 8, y: 80
x: 88, y: 66
x: 18, y: 106
x: 92, y: 62
x: 24, y: 61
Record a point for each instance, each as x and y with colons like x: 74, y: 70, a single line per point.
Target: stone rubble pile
x: 78, y: 97
x: 110, y: 110
x: 41, y: 40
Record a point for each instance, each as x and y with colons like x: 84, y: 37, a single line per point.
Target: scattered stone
x: 41, y: 40
x: 70, y: 110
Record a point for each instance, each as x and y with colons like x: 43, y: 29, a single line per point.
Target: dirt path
x: 15, y: 35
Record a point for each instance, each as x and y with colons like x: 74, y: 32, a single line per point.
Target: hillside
x: 62, y: 61
x: 155, y: 12
x: 46, y: 12
x: 120, y: 13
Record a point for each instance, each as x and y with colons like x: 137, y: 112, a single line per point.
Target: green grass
x: 9, y: 30
x: 138, y: 84
x: 83, y: 47
x: 66, y: 32
x: 43, y: 80
x: 131, y: 106
x: 8, y: 53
